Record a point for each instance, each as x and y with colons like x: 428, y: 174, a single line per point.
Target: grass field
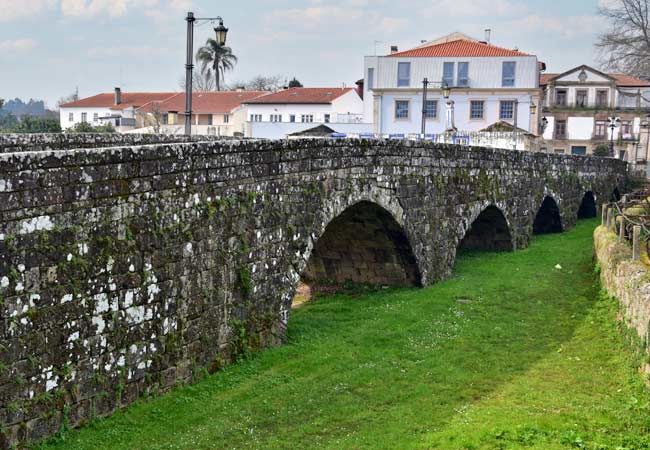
x: 511, y: 353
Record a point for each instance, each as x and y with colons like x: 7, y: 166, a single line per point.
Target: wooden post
x: 636, y: 243
x: 603, y: 211
x: 610, y: 218
x: 621, y: 231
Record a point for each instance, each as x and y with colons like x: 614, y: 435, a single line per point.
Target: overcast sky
x: 49, y: 47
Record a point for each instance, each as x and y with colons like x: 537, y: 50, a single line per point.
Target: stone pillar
x: 451, y: 126
x: 636, y: 243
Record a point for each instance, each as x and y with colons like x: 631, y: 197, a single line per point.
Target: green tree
x: 294, y: 83
x: 85, y: 127
x: 215, y: 60
x: 601, y: 150
x: 29, y: 124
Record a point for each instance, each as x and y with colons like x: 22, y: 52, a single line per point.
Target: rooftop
x: 622, y: 80
x: 301, y: 96
x: 457, y: 44
x: 129, y: 99
x: 222, y: 102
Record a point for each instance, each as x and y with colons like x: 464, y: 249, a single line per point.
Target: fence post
x: 610, y: 218
x: 624, y: 199
x: 603, y: 212
x: 621, y: 231
x: 636, y: 243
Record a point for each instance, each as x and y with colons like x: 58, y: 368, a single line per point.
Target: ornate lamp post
x: 446, y: 91
x: 614, y: 122
x: 220, y: 33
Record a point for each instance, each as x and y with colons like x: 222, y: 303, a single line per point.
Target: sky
x: 49, y: 48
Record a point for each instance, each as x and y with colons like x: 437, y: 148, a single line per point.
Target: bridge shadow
x: 364, y: 245
x: 588, y: 207
x: 548, y: 219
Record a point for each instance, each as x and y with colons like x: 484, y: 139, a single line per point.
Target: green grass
x: 511, y: 353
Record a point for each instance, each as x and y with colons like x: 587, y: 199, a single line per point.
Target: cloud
x: 17, y: 45
x: 563, y: 26
x: 16, y: 9
x: 476, y: 8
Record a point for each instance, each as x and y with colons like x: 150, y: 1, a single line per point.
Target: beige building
x: 579, y: 103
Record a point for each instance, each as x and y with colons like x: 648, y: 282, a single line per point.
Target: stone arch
x: 363, y: 244
x: 588, y: 208
x: 488, y: 231
x: 548, y: 218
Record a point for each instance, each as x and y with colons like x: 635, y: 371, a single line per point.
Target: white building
x: 488, y: 84
x: 276, y: 115
x: 578, y: 104
x: 117, y: 108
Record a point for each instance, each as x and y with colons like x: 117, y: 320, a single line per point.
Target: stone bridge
x: 127, y: 268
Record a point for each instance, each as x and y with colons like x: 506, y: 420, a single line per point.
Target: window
x: 626, y: 129
x: 600, y: 130
x: 508, y: 74
x: 507, y: 110
x: 84, y: 117
x: 431, y: 109
x: 448, y: 73
x: 401, y: 109
x: 256, y: 118
x: 95, y: 117
x: 560, y: 129
x: 476, y: 109
x: 307, y: 118
x: 327, y: 118
x: 70, y: 117
x: 581, y: 98
x: 558, y: 151
x: 560, y: 97
x: 601, y: 98
x: 578, y: 150
x: 226, y: 118
x: 403, y: 74
x: 209, y: 119
x: 463, y: 74
x: 276, y: 117
x: 371, y: 78
x: 292, y: 118
x: 621, y: 155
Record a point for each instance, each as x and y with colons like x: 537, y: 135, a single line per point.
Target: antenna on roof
x: 488, y: 35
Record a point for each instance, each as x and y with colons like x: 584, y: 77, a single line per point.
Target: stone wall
x: 627, y: 280
x: 124, y: 270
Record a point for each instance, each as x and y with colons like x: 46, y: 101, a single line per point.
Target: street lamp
x: 446, y: 91
x: 614, y: 122
x: 220, y: 33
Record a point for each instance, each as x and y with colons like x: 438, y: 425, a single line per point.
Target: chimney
x: 393, y: 49
x: 118, y: 96
x: 488, y: 35
x: 360, y: 84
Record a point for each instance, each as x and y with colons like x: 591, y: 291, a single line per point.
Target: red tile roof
x: 459, y: 47
x: 302, y: 95
x: 207, y: 102
x: 621, y: 80
x: 129, y: 99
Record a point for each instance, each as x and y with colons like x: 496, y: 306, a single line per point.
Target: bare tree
x: 200, y: 82
x: 68, y: 98
x: 152, y: 118
x: 271, y: 83
x: 625, y: 45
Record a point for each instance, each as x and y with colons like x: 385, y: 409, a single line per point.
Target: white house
x: 487, y: 84
x: 116, y: 108
x: 579, y: 103
x: 276, y: 115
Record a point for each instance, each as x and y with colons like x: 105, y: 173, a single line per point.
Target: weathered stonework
x: 126, y: 269
x: 625, y: 279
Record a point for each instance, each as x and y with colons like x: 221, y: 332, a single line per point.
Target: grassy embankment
x: 510, y: 353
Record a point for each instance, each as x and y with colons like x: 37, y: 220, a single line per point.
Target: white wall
x: 484, y: 72
x: 64, y: 113
x: 391, y: 125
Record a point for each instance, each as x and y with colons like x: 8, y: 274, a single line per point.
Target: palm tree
x: 215, y: 60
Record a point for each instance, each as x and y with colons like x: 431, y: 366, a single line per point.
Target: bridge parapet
x: 125, y: 269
